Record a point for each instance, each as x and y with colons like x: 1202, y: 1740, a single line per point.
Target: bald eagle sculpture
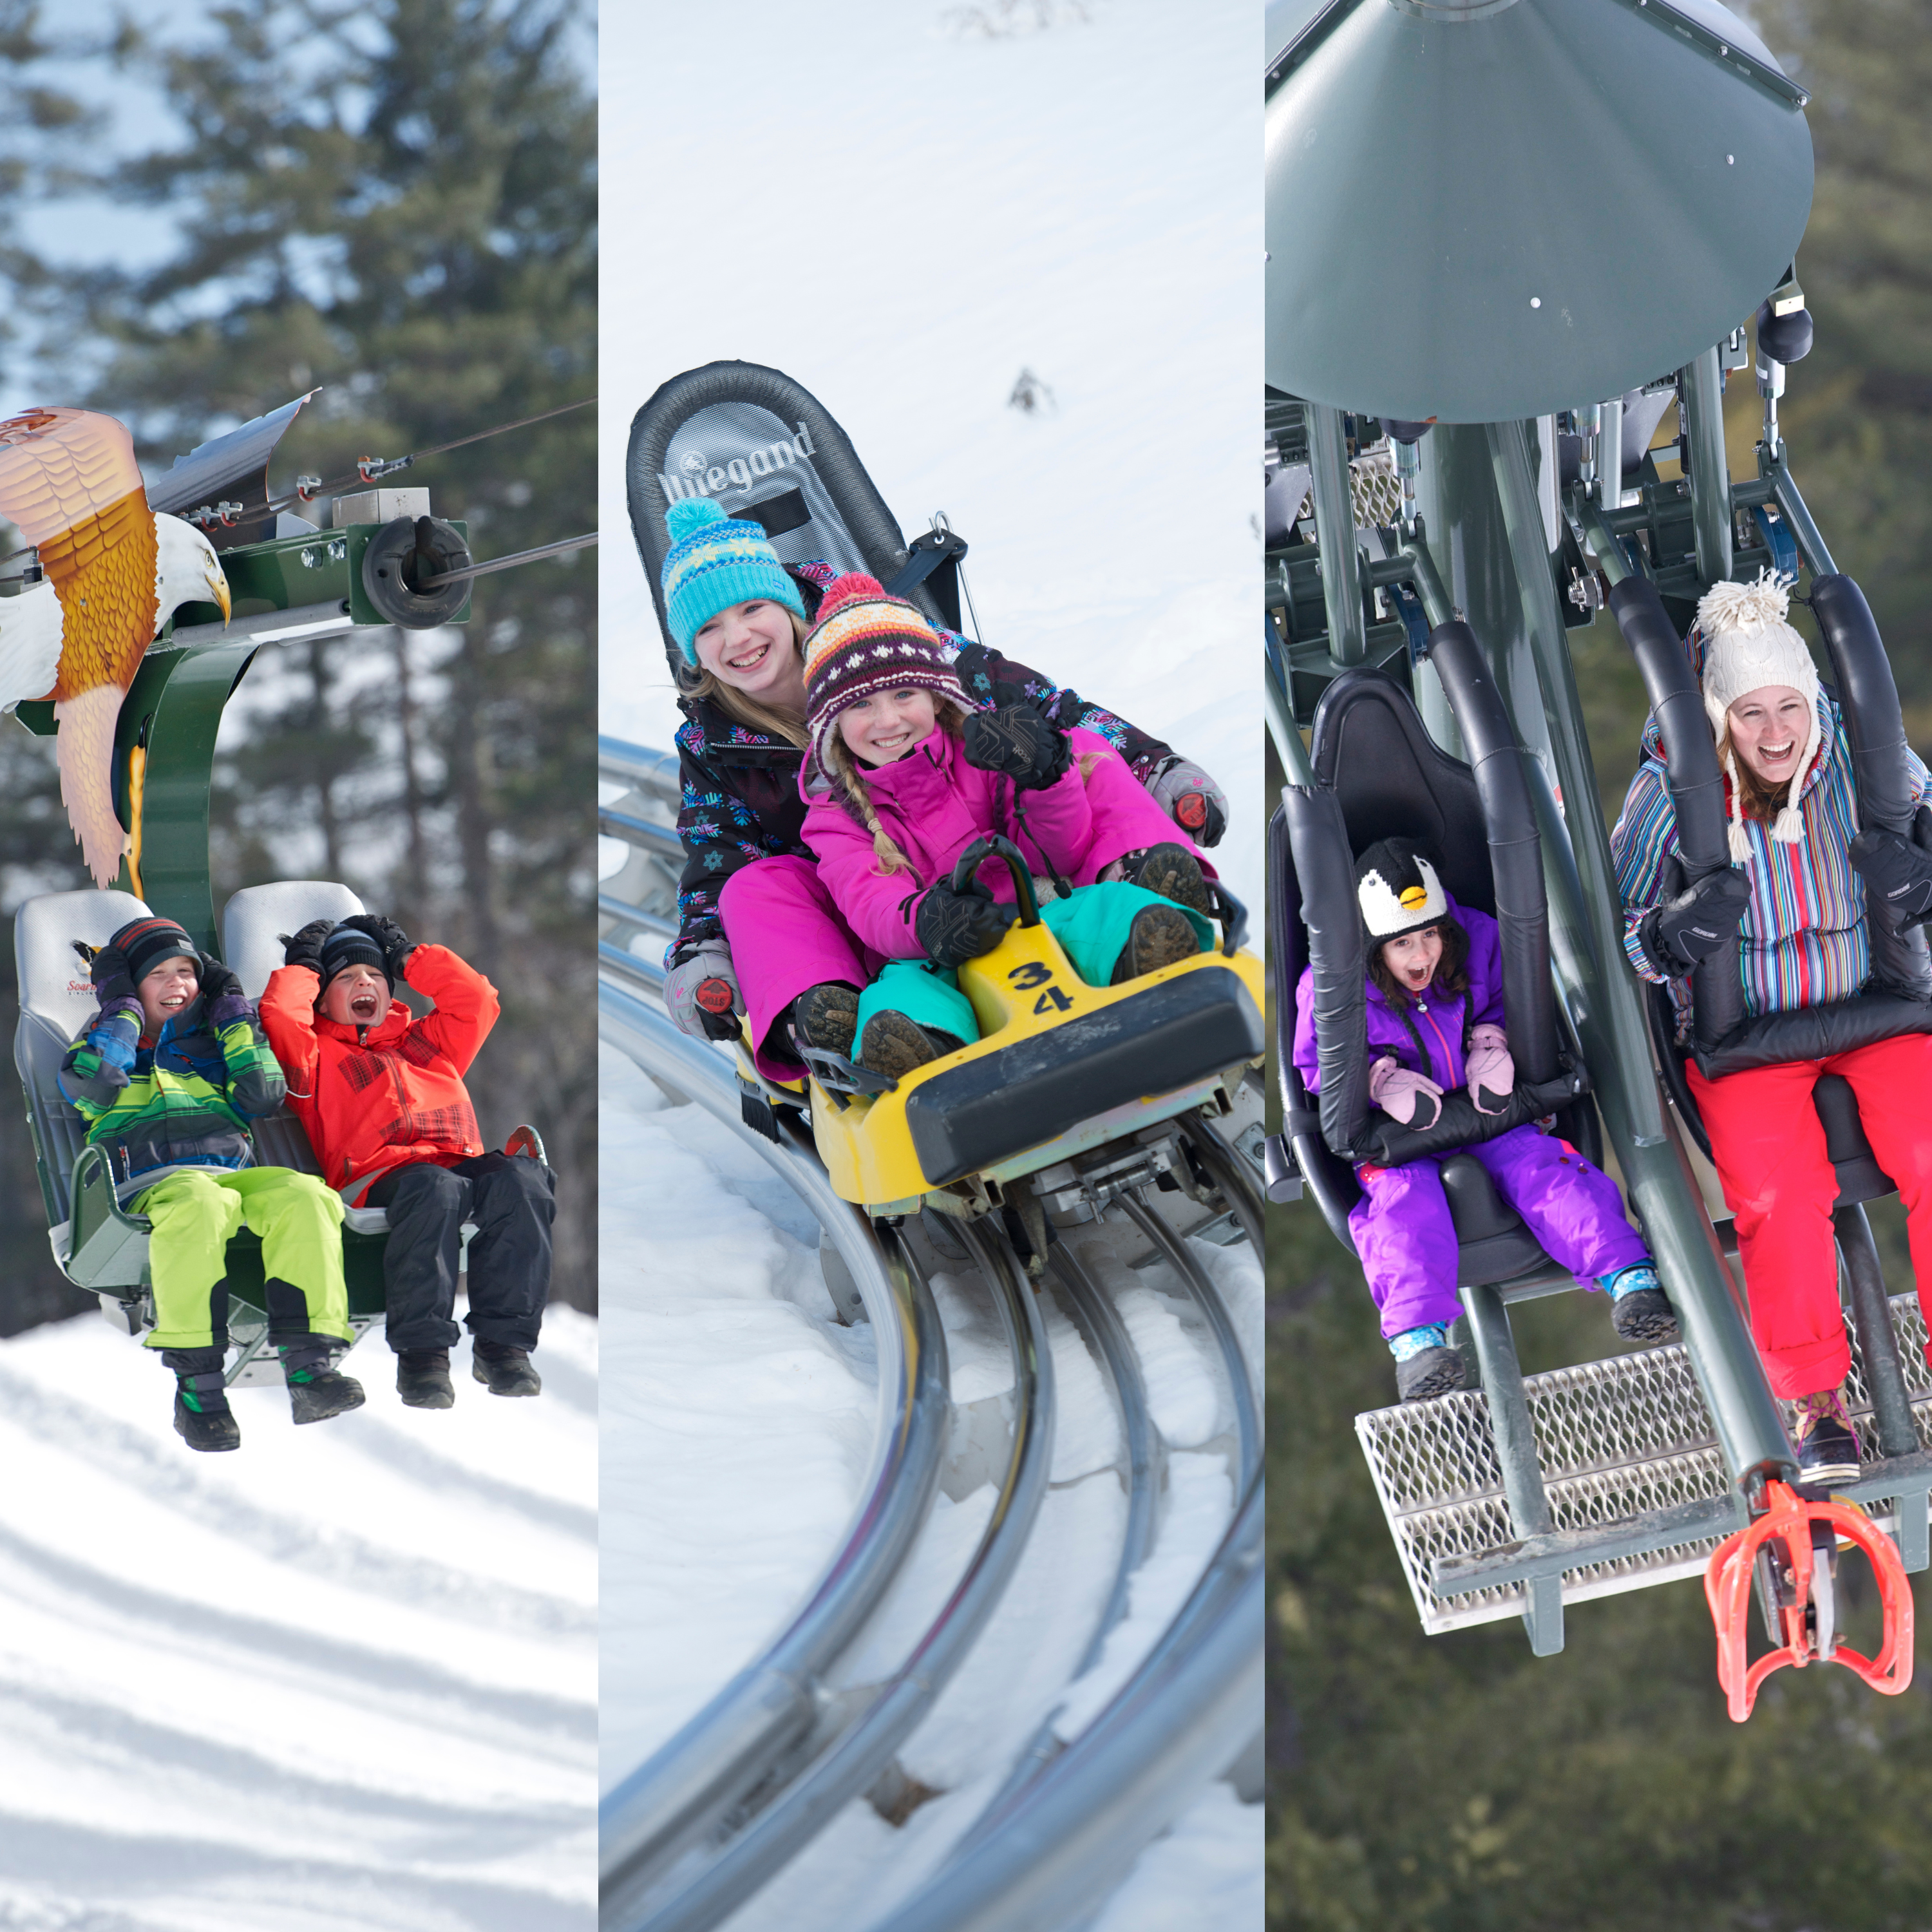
x: 114, y: 572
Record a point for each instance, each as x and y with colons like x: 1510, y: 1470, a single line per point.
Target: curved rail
x: 725, y: 1750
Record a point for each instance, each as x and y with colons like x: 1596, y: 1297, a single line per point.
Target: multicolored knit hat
x: 714, y: 562
x: 866, y: 642
x: 147, y: 942
x: 1747, y: 645
x: 1398, y: 890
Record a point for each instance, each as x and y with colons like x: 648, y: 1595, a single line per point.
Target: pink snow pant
x: 786, y: 938
x: 1407, y: 1241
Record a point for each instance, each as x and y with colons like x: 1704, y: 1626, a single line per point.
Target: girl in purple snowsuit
x: 1435, y: 1023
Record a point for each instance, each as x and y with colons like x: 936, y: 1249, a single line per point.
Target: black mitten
x: 1016, y: 741
x: 1689, y: 928
x: 304, y: 948
x: 956, y: 927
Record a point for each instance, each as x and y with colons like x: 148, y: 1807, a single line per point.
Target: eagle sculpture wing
x: 69, y: 480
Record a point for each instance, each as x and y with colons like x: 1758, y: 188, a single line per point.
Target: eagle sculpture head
x: 187, y: 568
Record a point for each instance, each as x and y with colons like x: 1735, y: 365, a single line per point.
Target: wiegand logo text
x: 699, y: 479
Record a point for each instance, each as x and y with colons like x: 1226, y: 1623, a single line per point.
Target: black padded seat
x: 1495, y: 1247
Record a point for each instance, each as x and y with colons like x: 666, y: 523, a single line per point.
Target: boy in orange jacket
x: 382, y: 1095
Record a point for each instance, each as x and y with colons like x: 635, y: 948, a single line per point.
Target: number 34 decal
x: 1032, y: 974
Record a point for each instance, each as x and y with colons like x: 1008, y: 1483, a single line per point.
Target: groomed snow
x: 902, y: 213
x: 344, y: 1676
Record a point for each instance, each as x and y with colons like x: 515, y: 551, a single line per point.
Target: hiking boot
x: 895, y: 1046
x: 1158, y: 937
x: 825, y: 1017
x: 202, y: 1418
x: 1639, y: 1311
x: 422, y: 1378
x: 1827, y: 1445
x: 316, y: 1391
x: 1175, y: 873
x: 506, y: 1370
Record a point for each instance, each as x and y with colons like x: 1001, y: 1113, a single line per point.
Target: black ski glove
x: 1682, y: 931
x: 1016, y: 741
x: 304, y: 948
x: 1895, y: 869
x: 113, y: 984
x: 224, y: 1001
x: 956, y: 927
x: 396, y: 944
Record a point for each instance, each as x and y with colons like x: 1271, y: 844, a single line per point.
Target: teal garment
x: 1090, y: 924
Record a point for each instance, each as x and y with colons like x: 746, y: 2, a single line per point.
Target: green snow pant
x: 1090, y: 924
x: 196, y: 1212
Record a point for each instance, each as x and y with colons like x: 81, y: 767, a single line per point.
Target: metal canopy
x: 1479, y: 209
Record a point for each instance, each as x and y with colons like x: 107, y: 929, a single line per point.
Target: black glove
x: 1897, y: 871
x: 304, y: 948
x: 222, y: 991
x: 1682, y: 931
x: 956, y: 927
x: 396, y: 945
x: 113, y: 984
x: 1015, y: 740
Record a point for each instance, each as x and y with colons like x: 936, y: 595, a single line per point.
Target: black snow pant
x: 511, y: 1198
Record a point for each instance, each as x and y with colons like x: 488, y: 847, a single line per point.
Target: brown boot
x: 895, y: 1046
x: 1175, y: 873
x: 1159, y: 936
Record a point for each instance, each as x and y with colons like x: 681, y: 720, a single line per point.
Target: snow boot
x: 422, y: 1378
x: 202, y: 1418
x: 506, y: 1370
x: 895, y: 1045
x: 1639, y: 1309
x: 1175, y: 873
x: 825, y: 1017
x: 1158, y: 937
x: 1828, y: 1444
x: 316, y: 1390
x: 1425, y: 1365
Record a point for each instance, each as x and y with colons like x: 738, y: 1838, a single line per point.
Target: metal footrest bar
x: 1637, y: 1492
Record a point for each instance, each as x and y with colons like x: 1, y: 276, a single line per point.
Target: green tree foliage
x: 396, y: 202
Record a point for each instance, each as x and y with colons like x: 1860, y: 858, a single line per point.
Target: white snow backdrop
x: 902, y: 206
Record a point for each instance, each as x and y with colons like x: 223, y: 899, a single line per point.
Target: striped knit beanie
x: 866, y: 642
x: 350, y: 946
x: 147, y: 942
x: 714, y: 562
x: 1747, y: 645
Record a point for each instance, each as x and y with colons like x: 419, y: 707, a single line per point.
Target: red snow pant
x: 1768, y: 1147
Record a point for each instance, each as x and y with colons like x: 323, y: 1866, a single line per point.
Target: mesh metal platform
x: 1615, y: 1438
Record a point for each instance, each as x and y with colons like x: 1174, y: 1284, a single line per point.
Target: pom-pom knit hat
x: 146, y: 942
x: 1747, y: 645
x: 350, y: 946
x: 714, y: 562
x: 1398, y: 890
x: 866, y: 642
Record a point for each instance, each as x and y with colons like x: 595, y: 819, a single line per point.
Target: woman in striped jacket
x: 1795, y: 896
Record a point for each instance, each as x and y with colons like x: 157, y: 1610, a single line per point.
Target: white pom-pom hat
x: 1748, y: 645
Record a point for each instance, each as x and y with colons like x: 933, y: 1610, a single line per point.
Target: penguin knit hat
x: 714, y: 562
x: 1747, y: 645
x: 866, y: 642
x: 350, y: 946
x: 146, y: 942
x: 1398, y: 890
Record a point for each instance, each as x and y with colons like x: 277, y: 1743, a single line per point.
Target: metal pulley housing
x: 400, y: 563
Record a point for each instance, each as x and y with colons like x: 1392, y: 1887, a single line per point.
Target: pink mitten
x: 1491, y: 1068
x: 1413, y: 1098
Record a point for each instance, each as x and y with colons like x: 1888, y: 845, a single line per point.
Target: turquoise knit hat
x: 714, y: 562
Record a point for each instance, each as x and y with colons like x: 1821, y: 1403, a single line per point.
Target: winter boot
x: 1827, y: 1445
x: 1158, y: 937
x: 316, y: 1390
x: 825, y: 1017
x: 895, y: 1046
x: 1639, y: 1311
x: 1175, y: 873
x: 422, y: 1378
x: 1425, y: 1364
x: 506, y: 1370
x: 202, y: 1418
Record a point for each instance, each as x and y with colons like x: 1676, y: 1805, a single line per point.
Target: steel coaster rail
x: 622, y: 763
x: 1055, y: 1836
x: 854, y: 1759
x: 728, y: 1747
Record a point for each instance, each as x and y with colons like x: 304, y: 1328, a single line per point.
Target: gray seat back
x: 56, y: 1003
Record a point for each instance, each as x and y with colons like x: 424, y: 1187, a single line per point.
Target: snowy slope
x: 902, y: 214
x: 346, y: 1676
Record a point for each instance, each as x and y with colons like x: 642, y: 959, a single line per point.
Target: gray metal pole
x: 1701, y: 387
x: 1610, y: 456
x: 1587, y: 939
x: 1335, y: 535
x: 1864, y: 1280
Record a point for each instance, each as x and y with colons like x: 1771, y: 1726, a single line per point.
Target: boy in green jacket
x: 168, y: 1074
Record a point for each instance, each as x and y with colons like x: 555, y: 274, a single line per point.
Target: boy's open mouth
x: 363, y: 1006
x: 172, y: 1003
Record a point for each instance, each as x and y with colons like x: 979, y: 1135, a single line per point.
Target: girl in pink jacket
x: 903, y: 773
